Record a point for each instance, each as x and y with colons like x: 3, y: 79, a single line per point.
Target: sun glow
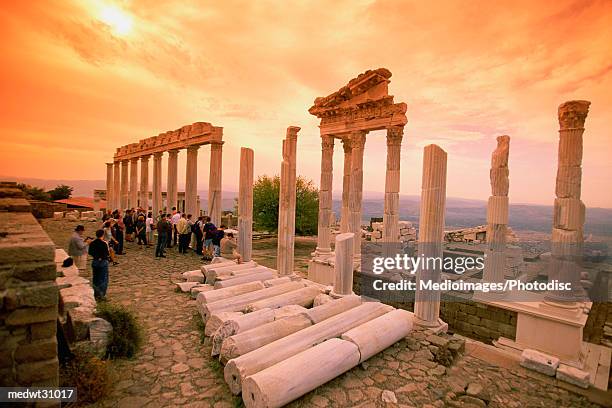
x: 118, y: 20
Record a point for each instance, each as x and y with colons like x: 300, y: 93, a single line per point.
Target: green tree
x: 34, y: 193
x: 265, y: 205
x: 60, y: 192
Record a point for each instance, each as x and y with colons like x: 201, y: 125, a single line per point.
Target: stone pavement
x: 174, y: 368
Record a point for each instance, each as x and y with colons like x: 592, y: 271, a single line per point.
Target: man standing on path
x: 162, y: 236
x: 98, y: 250
x: 176, y: 216
x: 77, y: 248
x: 183, y: 229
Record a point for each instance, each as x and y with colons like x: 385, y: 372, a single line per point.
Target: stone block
x: 100, y: 332
x: 43, y: 330
x: 36, y: 351
x: 569, y: 180
x: 29, y: 373
x: 437, y: 340
x: 58, y: 215
x: 573, y: 375
x: 497, y: 210
x: 41, y: 294
x: 186, y: 286
x: 25, y: 316
x: 540, y: 362
x: 78, y: 323
x: 14, y: 204
x: 194, y: 276
x: 568, y: 214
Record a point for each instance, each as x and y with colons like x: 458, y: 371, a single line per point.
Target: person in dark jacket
x: 163, y: 232
x: 100, y: 254
x: 141, y: 231
x: 219, y: 234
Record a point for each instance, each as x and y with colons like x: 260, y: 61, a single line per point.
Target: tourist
x: 150, y: 227
x: 229, y: 248
x: 129, y: 223
x: 176, y: 216
x: 118, y: 230
x: 141, y: 231
x: 199, y: 234
x: 191, y: 242
x: 110, y: 239
x: 162, y: 237
x: 182, y: 226
x: 100, y: 254
x: 77, y: 247
x: 209, y: 232
x: 218, y: 235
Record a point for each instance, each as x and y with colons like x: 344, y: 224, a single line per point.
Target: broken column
x: 172, y: 185
x: 343, y: 268
x: 116, y: 185
x: 346, y: 185
x: 191, y: 181
x: 214, y: 182
x: 569, y: 211
x: 392, y: 183
x: 157, y: 190
x: 497, y: 213
x: 358, y: 139
x: 286, y: 204
x: 144, y: 182
x: 133, y: 198
x: 325, y: 195
x: 431, y: 230
x: 245, y: 204
x: 109, y: 186
x: 124, y: 184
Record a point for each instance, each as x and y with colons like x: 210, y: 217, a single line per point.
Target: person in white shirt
x: 176, y: 216
x: 149, y: 226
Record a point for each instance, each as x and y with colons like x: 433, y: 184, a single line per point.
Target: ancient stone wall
x: 471, y: 319
x: 28, y: 296
x: 45, y: 209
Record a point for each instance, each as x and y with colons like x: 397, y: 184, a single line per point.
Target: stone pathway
x: 174, y: 367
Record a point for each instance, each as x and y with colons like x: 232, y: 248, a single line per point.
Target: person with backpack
x: 199, y: 234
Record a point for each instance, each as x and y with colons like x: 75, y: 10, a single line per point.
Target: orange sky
x: 79, y: 78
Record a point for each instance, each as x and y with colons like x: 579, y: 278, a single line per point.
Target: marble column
x: 356, y: 191
x: 144, y: 183
x: 191, y: 182
x: 245, y: 204
x: 133, y: 198
x: 392, y: 184
x: 214, y: 182
x: 286, y: 204
x: 431, y: 231
x: 157, y: 184
x: 497, y: 213
x: 325, y: 195
x: 116, y: 185
x: 346, y: 185
x: 569, y: 210
x: 172, y: 186
x: 109, y: 186
x: 343, y: 267
x: 125, y: 186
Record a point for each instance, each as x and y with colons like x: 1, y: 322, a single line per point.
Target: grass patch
x: 200, y: 326
x: 91, y: 376
x: 127, y: 335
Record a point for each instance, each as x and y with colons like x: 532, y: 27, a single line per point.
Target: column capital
x: 572, y: 114
x: 327, y: 142
x: 346, y: 144
x: 395, y: 135
x: 134, y: 159
x: 292, y: 132
x: 194, y: 147
x: 110, y: 164
x: 145, y: 157
x: 358, y: 138
x: 173, y: 152
x: 158, y: 155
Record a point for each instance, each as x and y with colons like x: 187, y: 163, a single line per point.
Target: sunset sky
x: 80, y: 78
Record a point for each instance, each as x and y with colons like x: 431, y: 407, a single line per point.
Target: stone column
x: 172, y: 187
x: 325, y: 195
x: 109, y: 186
x: 346, y: 185
x: 191, y: 182
x: 245, y: 204
x: 392, y: 184
x: 431, y: 230
x: 286, y: 204
x: 157, y: 189
x: 124, y: 184
x: 355, y: 196
x: 116, y: 185
x: 497, y: 213
x: 133, y: 199
x: 144, y: 183
x: 569, y: 211
x: 343, y: 268
x: 214, y: 182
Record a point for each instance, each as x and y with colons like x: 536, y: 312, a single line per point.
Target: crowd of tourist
x: 175, y: 229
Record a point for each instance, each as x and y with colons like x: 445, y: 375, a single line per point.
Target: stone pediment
x: 196, y: 134
x: 362, y: 104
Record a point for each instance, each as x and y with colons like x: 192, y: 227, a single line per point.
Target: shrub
x: 89, y: 374
x: 127, y: 335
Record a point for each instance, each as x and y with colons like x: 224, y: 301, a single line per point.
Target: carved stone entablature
x: 196, y: 134
x: 572, y: 114
x: 362, y: 104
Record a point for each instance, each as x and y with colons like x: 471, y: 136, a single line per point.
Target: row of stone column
x: 123, y: 190
x: 352, y: 188
x: 287, y: 204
